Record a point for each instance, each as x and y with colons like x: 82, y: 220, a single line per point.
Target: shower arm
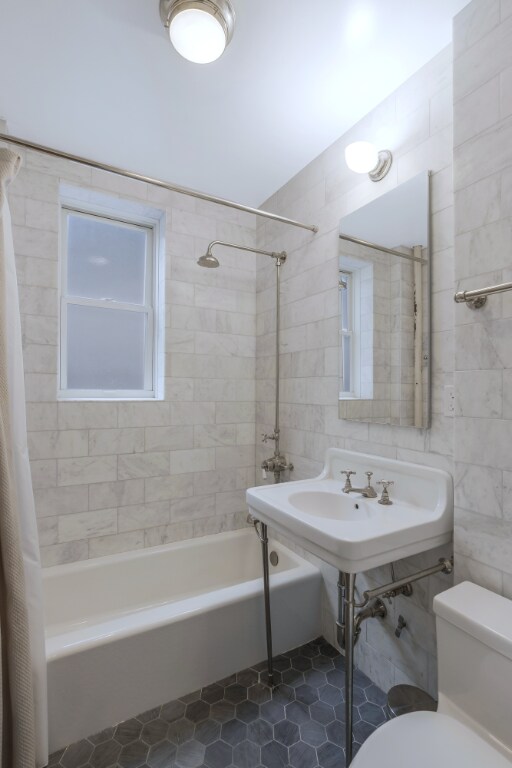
x: 280, y: 258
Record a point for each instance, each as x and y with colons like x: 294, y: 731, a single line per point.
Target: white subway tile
x: 86, y: 470
x: 86, y: 525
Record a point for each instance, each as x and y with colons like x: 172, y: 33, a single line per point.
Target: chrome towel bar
x: 476, y: 299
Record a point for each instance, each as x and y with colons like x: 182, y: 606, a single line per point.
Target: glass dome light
x: 364, y: 157
x: 199, y: 29
x: 361, y: 156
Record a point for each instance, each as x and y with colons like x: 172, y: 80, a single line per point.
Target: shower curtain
x: 23, y: 703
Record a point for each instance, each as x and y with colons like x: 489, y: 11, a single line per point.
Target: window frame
x: 352, y: 332
x: 150, y: 307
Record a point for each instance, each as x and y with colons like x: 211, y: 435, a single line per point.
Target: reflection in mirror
x: 384, y: 288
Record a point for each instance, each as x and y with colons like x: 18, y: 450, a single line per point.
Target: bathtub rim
x: 145, y: 619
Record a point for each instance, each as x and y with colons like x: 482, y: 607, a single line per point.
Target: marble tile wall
x: 115, y: 476
x: 483, y: 247
x: 415, y: 122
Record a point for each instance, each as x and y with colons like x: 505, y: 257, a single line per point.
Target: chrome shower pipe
x: 278, y: 463
x: 280, y: 258
x: 19, y: 142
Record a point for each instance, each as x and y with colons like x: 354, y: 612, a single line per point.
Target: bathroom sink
x: 332, y: 504
x: 354, y: 533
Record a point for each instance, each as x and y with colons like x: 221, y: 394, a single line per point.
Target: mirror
x: 384, y: 288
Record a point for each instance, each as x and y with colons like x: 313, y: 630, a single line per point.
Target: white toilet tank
x: 474, y: 644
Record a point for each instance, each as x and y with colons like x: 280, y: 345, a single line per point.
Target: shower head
x: 208, y: 260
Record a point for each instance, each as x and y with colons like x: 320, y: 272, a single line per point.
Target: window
x: 107, y: 314
x: 346, y: 331
x: 349, y: 289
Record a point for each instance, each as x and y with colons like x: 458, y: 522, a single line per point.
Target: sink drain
x: 274, y: 558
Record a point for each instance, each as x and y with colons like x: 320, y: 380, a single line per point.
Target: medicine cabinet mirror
x: 384, y: 291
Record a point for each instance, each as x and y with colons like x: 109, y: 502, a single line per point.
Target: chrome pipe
x: 445, y: 565
x: 156, y: 182
x: 349, y: 580
x: 278, y: 334
x: 477, y: 298
x: 340, y: 624
x: 392, y: 251
x: 266, y: 594
x: 281, y: 257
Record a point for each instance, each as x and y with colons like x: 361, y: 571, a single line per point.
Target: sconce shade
x: 199, y: 29
x: 361, y: 156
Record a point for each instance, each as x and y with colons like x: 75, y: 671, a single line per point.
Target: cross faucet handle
x: 384, y: 499
x: 347, y: 473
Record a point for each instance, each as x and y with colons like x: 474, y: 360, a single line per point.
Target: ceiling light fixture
x: 363, y: 157
x: 199, y: 30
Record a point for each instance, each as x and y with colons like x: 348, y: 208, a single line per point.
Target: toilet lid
x: 427, y: 740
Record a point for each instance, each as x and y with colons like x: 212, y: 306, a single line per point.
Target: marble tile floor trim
x: 241, y: 722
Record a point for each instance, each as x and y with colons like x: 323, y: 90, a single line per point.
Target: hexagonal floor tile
x: 154, y: 731
x: 260, y: 732
x: 321, y: 712
x: 233, y: 732
x: 240, y: 722
x: 162, y: 755
x: 247, y: 711
x: 274, y: 755
x: 212, y: 693
x: 190, y: 754
x: 207, y: 731
x: 134, y: 755
x: 235, y: 693
x: 286, y: 733
x: 246, y: 755
x: 222, y: 711
x: 172, y: 711
x: 218, y: 755
x: 259, y: 693
x: 313, y: 733
x: 272, y: 712
x: 106, y: 754
x: 128, y: 731
x: 306, y: 694
x: 303, y: 756
x: 330, y: 755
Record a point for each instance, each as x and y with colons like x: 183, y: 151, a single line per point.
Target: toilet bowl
x: 473, y: 725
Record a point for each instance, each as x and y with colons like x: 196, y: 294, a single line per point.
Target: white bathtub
x: 128, y: 632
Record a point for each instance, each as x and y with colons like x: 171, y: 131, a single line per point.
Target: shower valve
x: 265, y: 438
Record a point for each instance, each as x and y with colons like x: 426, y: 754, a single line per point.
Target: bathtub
x: 128, y: 632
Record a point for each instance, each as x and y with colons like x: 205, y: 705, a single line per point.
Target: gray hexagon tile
x: 240, y: 722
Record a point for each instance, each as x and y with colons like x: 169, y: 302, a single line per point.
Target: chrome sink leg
x: 349, y: 580
x: 266, y: 590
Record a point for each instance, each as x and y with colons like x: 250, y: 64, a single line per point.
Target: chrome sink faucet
x: 368, y: 492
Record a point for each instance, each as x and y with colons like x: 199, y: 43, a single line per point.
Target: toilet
x: 473, y: 725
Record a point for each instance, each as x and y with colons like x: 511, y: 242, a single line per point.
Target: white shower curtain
x: 21, y: 496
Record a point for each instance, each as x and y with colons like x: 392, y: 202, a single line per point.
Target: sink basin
x: 354, y: 533
x: 329, y: 504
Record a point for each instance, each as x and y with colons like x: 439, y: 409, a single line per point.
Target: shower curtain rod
x: 157, y: 182
x: 376, y: 247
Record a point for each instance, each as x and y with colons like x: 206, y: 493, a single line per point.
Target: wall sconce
x: 363, y: 157
x: 199, y: 29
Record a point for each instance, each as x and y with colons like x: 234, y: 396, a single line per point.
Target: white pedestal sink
x: 354, y: 533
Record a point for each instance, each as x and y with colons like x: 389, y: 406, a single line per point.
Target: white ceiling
x: 99, y: 78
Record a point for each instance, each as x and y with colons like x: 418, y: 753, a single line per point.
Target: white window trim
x: 354, y: 295
x: 153, y: 282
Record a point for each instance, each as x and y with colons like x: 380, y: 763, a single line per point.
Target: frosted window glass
x: 105, y: 348
x: 106, y: 260
x: 346, y: 357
